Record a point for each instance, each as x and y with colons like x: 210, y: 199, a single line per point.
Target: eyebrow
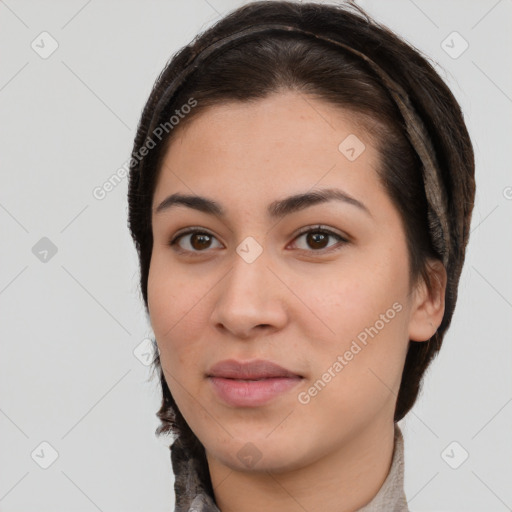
x: 276, y: 210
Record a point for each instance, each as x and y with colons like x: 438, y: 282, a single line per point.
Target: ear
x: 428, y: 305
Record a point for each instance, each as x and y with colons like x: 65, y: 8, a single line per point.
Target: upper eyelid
x: 319, y: 227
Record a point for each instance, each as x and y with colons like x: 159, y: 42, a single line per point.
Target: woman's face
x: 334, y: 309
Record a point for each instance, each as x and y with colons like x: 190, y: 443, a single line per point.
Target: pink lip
x: 251, y: 393
x: 252, y: 383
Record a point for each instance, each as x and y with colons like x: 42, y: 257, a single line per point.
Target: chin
x: 261, y: 455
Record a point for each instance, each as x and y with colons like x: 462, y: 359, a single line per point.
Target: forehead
x: 284, y: 144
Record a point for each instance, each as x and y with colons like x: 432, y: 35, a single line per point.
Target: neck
x: 343, y: 480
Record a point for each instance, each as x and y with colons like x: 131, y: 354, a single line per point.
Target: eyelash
x: 316, y: 229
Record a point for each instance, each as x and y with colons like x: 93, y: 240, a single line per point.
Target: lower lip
x: 252, y: 393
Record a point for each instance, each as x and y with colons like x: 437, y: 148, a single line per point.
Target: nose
x: 250, y: 299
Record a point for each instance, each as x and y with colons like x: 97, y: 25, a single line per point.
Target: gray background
x: 71, y: 321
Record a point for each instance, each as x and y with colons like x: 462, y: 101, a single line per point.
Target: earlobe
x: 429, y: 304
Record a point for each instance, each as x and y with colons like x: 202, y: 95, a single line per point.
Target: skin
x: 298, y: 304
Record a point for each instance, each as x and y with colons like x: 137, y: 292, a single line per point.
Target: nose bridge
x: 245, y: 284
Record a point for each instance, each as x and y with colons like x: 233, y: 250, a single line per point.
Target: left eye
x: 318, y: 237
x: 198, y: 241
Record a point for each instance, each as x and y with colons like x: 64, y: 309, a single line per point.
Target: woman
x: 300, y: 196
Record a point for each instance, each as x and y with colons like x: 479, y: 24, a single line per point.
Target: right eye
x: 196, y: 241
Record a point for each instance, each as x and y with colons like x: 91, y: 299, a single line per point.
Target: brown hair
x: 256, y: 67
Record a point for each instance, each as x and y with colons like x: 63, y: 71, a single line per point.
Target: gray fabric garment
x: 192, y: 496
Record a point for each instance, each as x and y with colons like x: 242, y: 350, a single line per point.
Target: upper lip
x: 256, y: 369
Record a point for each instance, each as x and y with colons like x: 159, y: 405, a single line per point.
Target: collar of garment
x: 193, y: 494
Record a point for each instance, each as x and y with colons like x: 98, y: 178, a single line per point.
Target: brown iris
x: 200, y: 241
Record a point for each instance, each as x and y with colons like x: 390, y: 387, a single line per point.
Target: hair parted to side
x: 260, y: 66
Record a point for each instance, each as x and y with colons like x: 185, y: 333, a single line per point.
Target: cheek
x: 363, y: 319
x: 178, y: 308
x: 171, y: 299
x: 349, y: 302
x: 168, y: 315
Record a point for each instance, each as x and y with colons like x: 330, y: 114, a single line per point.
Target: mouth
x: 251, y: 384
x: 252, y: 393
